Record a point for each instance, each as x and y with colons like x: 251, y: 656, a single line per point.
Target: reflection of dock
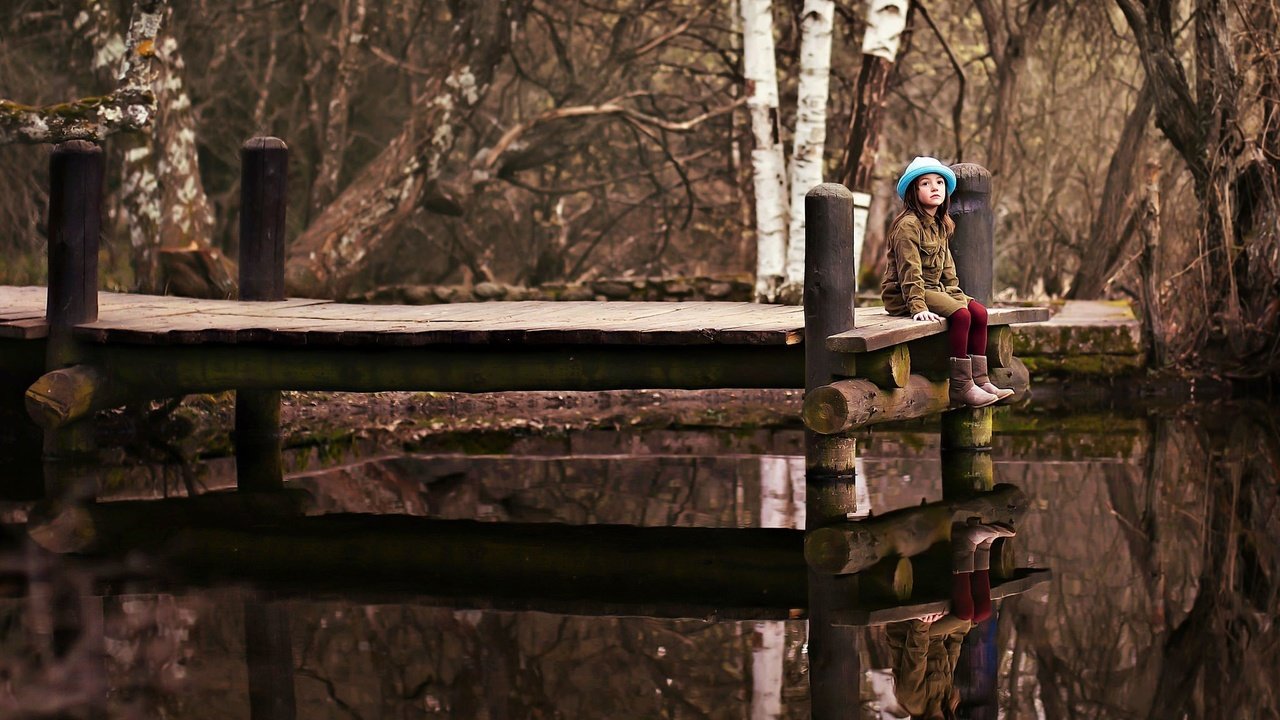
x: 1023, y: 579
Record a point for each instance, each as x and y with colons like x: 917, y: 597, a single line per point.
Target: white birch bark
x: 768, y: 163
x: 781, y: 506
x: 810, y: 140
x: 886, y: 19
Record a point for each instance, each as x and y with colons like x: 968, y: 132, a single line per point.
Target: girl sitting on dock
x: 920, y: 279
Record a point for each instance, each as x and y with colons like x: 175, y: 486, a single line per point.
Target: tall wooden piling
x: 966, y: 432
x: 75, y: 226
x: 831, y: 494
x: 264, y: 170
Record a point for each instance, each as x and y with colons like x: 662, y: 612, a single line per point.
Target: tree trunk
x: 1106, y: 238
x: 779, y: 503
x: 886, y: 22
x: 767, y: 160
x: 811, y: 123
x: 409, y: 172
x: 351, y: 29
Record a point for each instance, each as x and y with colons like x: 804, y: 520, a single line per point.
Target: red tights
x: 971, y: 595
x: 968, y: 330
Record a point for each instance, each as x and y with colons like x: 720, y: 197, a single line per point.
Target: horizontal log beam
x: 688, y: 572
x: 929, y: 355
x: 119, y: 526
x: 155, y: 371
x: 846, y: 405
x: 62, y: 396
x: 849, y: 547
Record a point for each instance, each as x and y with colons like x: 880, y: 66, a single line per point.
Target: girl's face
x: 931, y: 190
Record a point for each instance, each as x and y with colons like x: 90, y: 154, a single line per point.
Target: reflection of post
x: 75, y: 222
x: 778, y: 509
x: 269, y: 653
x: 830, y: 487
x: 264, y: 166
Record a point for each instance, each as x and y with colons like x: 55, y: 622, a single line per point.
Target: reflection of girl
x: 920, y: 279
x: 925, y: 650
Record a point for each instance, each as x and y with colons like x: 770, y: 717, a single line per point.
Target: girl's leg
x: 958, y: 333
x: 977, y: 328
x: 980, y: 586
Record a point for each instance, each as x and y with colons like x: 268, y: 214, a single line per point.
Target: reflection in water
x: 1162, y: 534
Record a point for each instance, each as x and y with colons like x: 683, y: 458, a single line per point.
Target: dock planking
x: 167, y: 320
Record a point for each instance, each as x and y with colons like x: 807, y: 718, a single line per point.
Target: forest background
x: 1134, y: 144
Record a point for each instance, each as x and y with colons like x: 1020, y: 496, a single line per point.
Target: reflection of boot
x: 983, y: 380
x: 980, y: 585
x: 962, y: 391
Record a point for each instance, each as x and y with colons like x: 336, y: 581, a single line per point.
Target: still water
x: 1161, y: 529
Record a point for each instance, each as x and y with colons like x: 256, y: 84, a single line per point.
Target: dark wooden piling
x: 264, y: 170
x: 966, y: 432
x: 75, y: 226
x: 972, y: 246
x: 829, y: 467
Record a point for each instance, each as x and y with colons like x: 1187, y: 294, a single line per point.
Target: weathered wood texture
x: 178, y: 370
x: 852, y: 546
x: 75, y: 226
x: 264, y: 173
x: 973, y: 245
x: 1023, y: 580
x: 877, y: 329
x: 849, y: 404
x: 830, y: 484
x: 163, y: 320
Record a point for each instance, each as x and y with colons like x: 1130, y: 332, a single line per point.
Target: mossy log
x: 849, y: 547
x: 966, y: 428
x: 847, y: 404
x: 63, y: 396
x: 933, y: 567
x: 929, y: 355
x: 890, y: 580
x: 965, y: 472
x: 118, y: 526
x: 888, y: 368
x: 162, y: 371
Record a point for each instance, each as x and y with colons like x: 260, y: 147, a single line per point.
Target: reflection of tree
x: 1169, y: 583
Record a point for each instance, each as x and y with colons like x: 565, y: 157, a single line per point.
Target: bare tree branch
x: 129, y: 107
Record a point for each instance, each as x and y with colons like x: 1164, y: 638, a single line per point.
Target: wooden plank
x: 900, y: 330
x: 29, y: 329
x: 1023, y: 580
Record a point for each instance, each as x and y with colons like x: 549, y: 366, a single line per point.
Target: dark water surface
x: 1161, y: 530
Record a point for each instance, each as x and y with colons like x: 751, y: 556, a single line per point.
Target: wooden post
x: 268, y: 652
x: 264, y: 171
x: 75, y: 226
x: 972, y: 245
x: 831, y: 492
x: 968, y: 430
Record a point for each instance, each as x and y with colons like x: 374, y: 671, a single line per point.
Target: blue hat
x: 923, y: 165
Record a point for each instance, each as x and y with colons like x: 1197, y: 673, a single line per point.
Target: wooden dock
x: 166, y: 320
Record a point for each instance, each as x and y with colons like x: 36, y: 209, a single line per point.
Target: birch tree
x: 811, y: 123
x: 767, y: 161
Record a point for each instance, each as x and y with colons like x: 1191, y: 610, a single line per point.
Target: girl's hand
x: 932, y: 618
x: 926, y: 316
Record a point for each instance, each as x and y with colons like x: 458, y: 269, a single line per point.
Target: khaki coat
x: 920, y: 274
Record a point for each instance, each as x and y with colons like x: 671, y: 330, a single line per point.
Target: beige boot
x: 983, y: 380
x: 962, y: 390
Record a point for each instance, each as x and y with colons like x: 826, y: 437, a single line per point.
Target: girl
x: 920, y: 279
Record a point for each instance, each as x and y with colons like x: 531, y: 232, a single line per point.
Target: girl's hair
x: 911, y: 204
